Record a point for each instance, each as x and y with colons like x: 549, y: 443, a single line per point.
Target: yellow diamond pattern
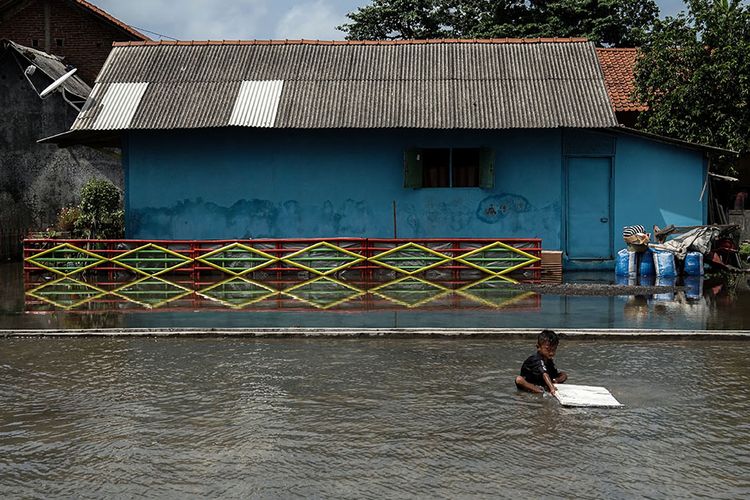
x: 238, y: 292
x: 497, y: 258
x: 66, y: 259
x: 237, y: 259
x: 410, y: 259
x: 151, y: 260
x: 330, y: 258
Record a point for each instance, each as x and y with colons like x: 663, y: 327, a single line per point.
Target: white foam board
x: 585, y: 395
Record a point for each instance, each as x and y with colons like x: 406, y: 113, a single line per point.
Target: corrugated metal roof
x: 53, y: 67
x: 356, y: 85
x: 257, y: 104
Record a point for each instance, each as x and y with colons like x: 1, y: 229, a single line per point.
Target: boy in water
x: 538, y: 371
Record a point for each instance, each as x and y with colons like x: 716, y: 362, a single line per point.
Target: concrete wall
x: 37, y: 180
x: 243, y: 183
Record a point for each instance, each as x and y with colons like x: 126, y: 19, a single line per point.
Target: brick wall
x: 86, y: 38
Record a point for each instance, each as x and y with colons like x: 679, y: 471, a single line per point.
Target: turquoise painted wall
x: 657, y: 183
x: 243, y: 183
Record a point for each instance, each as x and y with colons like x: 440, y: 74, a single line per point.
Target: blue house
x: 449, y: 139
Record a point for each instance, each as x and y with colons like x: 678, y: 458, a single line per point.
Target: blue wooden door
x: 589, y: 233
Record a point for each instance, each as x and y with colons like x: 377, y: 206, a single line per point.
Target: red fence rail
x: 194, y: 253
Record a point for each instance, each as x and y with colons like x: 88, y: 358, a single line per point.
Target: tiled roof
x: 619, y: 76
x: 99, y: 12
x: 299, y: 84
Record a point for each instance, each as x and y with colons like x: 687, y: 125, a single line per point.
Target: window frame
x: 414, y: 168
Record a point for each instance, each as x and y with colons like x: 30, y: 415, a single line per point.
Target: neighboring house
x: 37, y: 180
x: 75, y: 30
x: 445, y: 138
x: 618, y: 66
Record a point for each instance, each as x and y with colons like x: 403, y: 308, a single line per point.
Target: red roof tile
x: 618, y: 66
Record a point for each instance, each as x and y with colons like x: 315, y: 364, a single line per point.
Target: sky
x: 250, y: 19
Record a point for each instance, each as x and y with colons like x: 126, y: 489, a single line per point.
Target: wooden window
x: 449, y: 167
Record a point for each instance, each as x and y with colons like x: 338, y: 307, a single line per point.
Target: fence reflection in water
x: 241, y: 293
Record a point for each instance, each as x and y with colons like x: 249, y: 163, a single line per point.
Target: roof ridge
x: 109, y: 17
x: 352, y: 42
x: 618, y: 49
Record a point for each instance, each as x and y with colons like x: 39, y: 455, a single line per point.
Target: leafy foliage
x: 67, y: 218
x: 622, y: 23
x: 694, y: 75
x: 101, y: 215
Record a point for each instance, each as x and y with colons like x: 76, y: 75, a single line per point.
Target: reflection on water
x: 320, y: 292
x: 196, y: 418
x: 409, y: 301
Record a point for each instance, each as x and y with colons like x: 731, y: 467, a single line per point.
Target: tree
x: 618, y: 23
x: 621, y: 23
x: 694, y: 75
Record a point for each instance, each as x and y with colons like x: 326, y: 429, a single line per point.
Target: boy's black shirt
x: 534, y: 368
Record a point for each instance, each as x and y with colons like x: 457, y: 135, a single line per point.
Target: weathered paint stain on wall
x: 495, y: 208
x: 255, y: 218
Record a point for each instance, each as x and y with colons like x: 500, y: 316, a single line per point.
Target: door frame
x: 566, y: 208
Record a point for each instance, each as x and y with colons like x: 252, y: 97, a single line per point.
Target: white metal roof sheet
x: 257, y: 103
x: 118, y: 106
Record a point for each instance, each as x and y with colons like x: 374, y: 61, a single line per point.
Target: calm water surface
x: 196, y: 418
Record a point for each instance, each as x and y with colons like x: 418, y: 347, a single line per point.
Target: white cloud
x: 311, y: 20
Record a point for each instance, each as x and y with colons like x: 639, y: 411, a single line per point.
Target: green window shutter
x: 486, y: 168
x: 413, y: 159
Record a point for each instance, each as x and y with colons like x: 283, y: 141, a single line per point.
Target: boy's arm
x: 550, y: 385
x: 523, y: 383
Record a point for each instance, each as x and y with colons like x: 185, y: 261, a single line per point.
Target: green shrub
x: 745, y: 253
x: 67, y: 218
x: 101, y: 214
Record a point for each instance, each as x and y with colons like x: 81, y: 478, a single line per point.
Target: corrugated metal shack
x: 445, y: 138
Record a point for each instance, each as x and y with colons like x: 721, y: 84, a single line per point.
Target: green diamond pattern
x: 323, y: 293
x: 151, y: 260
x: 151, y: 292
x: 66, y: 293
x: 323, y: 258
x: 238, y: 292
x: 410, y: 259
x: 495, y: 292
x: 410, y: 291
x: 237, y: 259
x: 497, y: 258
x: 66, y: 259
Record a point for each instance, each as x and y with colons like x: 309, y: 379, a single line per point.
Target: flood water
x: 700, y: 304
x: 246, y: 418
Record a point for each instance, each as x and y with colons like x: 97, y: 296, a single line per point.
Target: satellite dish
x: 54, y: 85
